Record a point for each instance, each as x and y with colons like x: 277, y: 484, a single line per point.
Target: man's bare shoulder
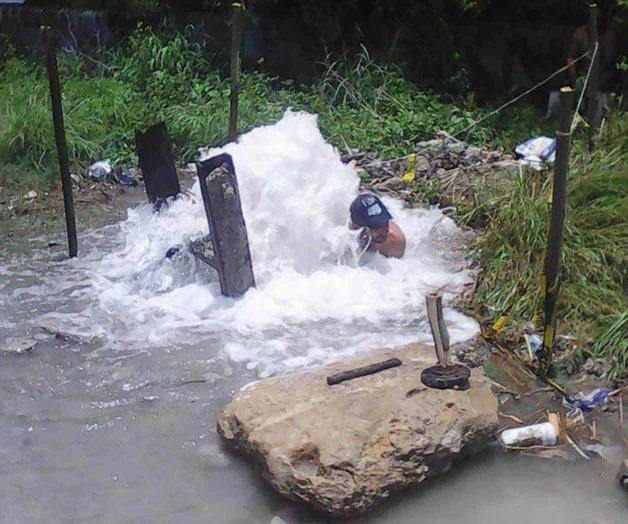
x: 395, y: 245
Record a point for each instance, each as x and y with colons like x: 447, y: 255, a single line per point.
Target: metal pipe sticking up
x: 443, y: 375
x: 434, y: 303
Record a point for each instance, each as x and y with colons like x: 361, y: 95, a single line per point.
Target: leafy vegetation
x: 157, y: 75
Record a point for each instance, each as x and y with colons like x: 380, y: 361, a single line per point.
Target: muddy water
x: 95, y: 433
x: 90, y: 436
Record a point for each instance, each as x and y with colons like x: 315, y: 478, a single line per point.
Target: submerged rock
x: 343, y: 448
x: 18, y: 345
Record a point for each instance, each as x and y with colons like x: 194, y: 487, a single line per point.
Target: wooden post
x: 59, y: 129
x: 592, y: 87
x: 236, y: 37
x: 557, y: 219
x: 434, y: 303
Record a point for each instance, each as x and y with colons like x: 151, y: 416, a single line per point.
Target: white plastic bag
x: 536, y: 151
x: 100, y: 170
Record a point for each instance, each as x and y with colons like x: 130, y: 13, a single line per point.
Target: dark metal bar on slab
x: 59, y: 129
x: 557, y: 220
x: 363, y: 371
x: 236, y: 38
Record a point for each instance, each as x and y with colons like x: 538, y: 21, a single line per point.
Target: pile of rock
x: 443, y: 170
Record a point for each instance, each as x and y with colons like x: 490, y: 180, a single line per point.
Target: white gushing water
x: 314, y: 302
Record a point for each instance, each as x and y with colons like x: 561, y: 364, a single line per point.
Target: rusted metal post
x: 156, y: 160
x: 593, y: 98
x: 59, y: 129
x: 434, y: 303
x: 236, y: 37
x: 443, y: 375
x: 557, y: 220
x: 226, y: 248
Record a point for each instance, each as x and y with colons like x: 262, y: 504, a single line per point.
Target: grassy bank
x: 592, y: 304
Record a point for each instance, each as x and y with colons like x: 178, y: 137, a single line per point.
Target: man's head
x: 369, y: 211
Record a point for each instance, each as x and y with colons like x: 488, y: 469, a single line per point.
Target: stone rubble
x: 446, y: 171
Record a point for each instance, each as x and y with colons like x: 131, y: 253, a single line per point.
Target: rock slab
x: 343, y: 448
x: 18, y: 345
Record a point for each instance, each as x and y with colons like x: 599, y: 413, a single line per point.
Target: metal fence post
x: 59, y: 129
x: 236, y: 37
x: 592, y: 88
x: 557, y: 220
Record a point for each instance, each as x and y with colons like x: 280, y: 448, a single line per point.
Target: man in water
x: 379, y: 232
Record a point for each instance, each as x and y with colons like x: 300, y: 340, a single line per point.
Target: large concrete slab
x: 343, y: 448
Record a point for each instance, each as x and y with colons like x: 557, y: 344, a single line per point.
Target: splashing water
x: 314, y: 301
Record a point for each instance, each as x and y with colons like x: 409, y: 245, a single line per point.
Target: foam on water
x: 314, y: 301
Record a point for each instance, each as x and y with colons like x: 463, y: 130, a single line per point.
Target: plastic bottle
x: 544, y: 434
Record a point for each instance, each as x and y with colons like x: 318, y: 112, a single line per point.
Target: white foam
x: 313, y: 302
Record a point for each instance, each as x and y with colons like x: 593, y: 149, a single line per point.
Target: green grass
x: 160, y: 75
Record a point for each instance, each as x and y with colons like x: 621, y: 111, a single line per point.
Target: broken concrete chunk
x: 19, y: 345
x: 422, y: 164
x: 343, y: 448
x: 203, y: 249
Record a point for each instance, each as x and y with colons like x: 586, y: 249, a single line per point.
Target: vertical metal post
x: 59, y: 128
x: 434, y: 304
x: 234, y: 75
x: 592, y: 87
x: 557, y: 220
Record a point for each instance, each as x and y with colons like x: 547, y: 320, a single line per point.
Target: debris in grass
x: 597, y: 397
x: 444, y: 169
x: 100, y: 171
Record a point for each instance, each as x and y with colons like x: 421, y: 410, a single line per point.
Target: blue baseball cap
x: 369, y: 211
